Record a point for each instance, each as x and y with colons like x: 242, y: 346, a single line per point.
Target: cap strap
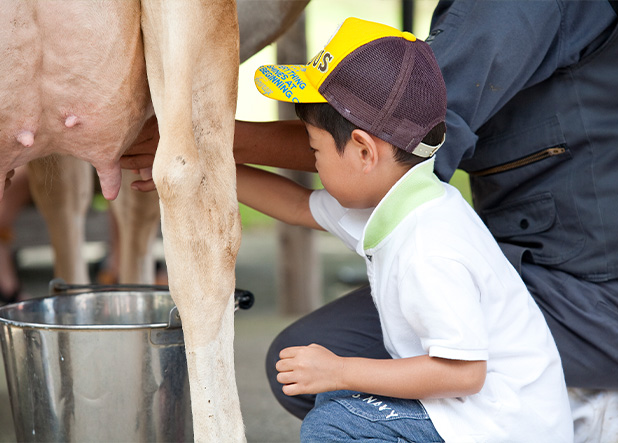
x: 426, y: 151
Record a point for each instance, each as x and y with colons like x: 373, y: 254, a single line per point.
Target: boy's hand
x: 309, y: 370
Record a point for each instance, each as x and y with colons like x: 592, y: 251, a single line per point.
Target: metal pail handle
x: 243, y: 299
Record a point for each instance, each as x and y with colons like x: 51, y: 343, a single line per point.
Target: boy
x: 473, y: 359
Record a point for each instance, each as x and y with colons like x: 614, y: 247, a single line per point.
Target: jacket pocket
x: 502, y: 151
x: 534, y: 223
x: 523, y: 161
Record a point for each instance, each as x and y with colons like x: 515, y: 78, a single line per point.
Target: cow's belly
x: 72, y: 80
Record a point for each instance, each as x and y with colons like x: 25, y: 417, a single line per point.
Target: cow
x: 62, y: 188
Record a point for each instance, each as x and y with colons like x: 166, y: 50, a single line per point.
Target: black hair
x: 324, y: 116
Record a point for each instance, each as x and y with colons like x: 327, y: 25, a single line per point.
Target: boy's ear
x: 366, y: 149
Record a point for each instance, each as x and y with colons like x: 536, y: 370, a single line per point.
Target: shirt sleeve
x: 347, y: 224
x: 441, y: 302
x: 489, y: 51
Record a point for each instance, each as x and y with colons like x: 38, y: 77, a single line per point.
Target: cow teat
x: 25, y: 138
x: 71, y: 121
x: 110, y: 176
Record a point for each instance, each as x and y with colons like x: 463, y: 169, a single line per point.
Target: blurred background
x: 291, y: 271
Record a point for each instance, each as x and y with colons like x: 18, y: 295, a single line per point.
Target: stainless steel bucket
x: 97, y: 366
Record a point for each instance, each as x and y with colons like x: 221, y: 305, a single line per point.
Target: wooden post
x: 407, y: 12
x: 299, y: 289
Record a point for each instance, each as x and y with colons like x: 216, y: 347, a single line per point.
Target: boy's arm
x: 313, y: 369
x: 275, y: 196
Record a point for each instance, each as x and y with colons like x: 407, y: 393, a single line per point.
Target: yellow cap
x: 301, y: 83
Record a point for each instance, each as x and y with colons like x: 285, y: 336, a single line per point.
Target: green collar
x: 419, y: 185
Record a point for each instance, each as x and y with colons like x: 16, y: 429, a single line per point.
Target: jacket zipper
x: 537, y: 156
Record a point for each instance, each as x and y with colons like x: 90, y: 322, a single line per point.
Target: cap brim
x: 286, y: 83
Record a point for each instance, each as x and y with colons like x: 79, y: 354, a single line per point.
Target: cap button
x: 408, y: 36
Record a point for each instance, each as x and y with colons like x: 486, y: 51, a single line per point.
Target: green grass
x: 462, y: 182
x: 252, y: 219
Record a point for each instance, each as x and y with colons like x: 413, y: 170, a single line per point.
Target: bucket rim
x: 89, y: 327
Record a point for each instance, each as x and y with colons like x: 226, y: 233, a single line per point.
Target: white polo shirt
x: 443, y: 287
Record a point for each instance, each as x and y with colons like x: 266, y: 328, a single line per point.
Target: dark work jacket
x: 543, y: 154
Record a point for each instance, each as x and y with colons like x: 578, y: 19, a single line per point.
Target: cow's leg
x: 137, y: 219
x: 62, y: 187
x: 192, y: 63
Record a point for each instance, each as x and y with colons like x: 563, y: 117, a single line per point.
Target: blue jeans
x: 353, y: 416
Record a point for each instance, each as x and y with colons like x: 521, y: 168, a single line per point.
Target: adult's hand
x: 140, y: 156
x: 7, y: 181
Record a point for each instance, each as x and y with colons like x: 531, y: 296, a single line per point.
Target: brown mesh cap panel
x: 390, y: 87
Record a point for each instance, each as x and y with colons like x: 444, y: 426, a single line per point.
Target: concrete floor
x: 265, y: 420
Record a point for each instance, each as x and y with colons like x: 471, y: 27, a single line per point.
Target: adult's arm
x: 283, y: 144
x: 489, y: 51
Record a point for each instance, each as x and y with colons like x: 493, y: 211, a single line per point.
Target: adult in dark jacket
x: 533, y: 117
